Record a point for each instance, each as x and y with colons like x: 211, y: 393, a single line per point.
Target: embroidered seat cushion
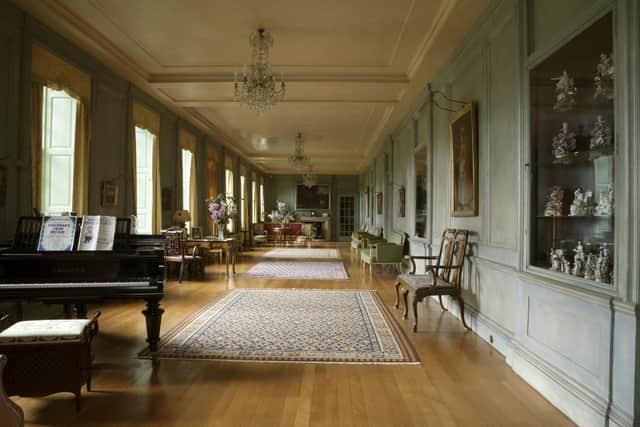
x: 45, y: 330
x: 423, y: 281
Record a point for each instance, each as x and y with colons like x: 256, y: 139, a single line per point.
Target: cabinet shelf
x: 577, y: 218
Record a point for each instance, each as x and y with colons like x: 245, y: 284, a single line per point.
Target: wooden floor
x: 462, y: 381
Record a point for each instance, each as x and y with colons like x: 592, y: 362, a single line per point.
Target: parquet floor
x: 462, y: 381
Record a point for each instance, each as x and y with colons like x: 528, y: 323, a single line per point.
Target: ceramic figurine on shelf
x: 604, y: 77
x: 603, y: 266
x: 564, y: 142
x: 578, y: 207
x: 590, y: 267
x: 565, y: 92
x: 578, y: 260
x: 555, y: 260
x: 553, y: 205
x: 605, y: 203
x: 566, y: 266
x: 600, y: 134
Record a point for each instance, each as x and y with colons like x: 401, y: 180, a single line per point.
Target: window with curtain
x: 228, y: 181
x: 145, y: 164
x: 421, y: 191
x: 261, y: 202
x: 59, y: 134
x: 144, y: 180
x: 243, y: 202
x: 186, y: 182
x: 58, y: 146
x: 254, y: 201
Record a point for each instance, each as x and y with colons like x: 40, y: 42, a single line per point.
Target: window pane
x: 58, y: 142
x: 421, y: 191
x: 144, y: 180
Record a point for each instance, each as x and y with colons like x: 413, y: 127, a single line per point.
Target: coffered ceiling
x: 352, y: 67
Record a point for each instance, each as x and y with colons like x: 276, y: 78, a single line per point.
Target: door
x: 346, y: 216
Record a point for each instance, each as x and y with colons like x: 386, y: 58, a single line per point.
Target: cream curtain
x: 144, y: 118
x: 36, y: 145
x: 80, y: 203
x: 156, y: 216
x: 188, y: 141
x: 193, y: 197
x: 212, y: 182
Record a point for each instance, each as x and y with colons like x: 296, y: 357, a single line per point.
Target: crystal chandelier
x: 309, y: 179
x: 298, y: 159
x: 258, y: 88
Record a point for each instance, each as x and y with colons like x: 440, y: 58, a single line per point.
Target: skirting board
x: 577, y: 403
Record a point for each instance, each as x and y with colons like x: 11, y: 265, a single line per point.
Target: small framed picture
x: 379, y: 203
x: 196, y: 233
x: 401, y: 196
x: 109, y: 195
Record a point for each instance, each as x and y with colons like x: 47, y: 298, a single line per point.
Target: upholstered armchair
x: 389, y: 252
x: 360, y: 239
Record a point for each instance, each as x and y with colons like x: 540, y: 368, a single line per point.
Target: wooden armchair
x: 442, y: 278
x: 175, y: 252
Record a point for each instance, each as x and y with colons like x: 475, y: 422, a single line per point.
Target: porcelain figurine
x: 553, y: 205
x: 578, y: 207
x: 603, y: 266
x: 565, y: 92
x: 564, y: 142
x: 604, y: 77
x: 590, y: 267
x: 555, y: 260
x: 605, y: 203
x: 578, y: 260
x: 566, y: 266
x: 600, y: 134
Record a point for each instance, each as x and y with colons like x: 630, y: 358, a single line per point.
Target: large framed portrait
x: 463, y: 132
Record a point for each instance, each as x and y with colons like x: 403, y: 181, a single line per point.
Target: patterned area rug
x: 291, y: 325
x: 311, y: 253
x: 298, y: 270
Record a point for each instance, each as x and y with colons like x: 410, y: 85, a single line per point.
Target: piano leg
x: 153, y: 316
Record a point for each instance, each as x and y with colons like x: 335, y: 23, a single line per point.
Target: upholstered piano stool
x: 48, y: 356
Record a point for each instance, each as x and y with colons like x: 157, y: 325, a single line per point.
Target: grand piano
x: 134, y: 270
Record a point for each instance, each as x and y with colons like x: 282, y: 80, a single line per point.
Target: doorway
x: 346, y: 216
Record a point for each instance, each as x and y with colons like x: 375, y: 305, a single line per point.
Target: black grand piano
x: 133, y: 270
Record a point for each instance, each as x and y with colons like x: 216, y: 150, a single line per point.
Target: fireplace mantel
x: 323, y: 221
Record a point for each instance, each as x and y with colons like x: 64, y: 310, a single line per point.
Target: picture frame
x: 109, y: 195
x: 463, y: 134
x: 402, y: 194
x: 379, y: 203
x: 196, y: 233
x: 167, y: 199
x: 367, y: 202
x: 3, y: 185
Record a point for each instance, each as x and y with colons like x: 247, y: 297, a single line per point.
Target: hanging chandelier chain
x: 259, y: 88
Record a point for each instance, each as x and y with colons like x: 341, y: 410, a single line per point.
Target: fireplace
x: 318, y: 227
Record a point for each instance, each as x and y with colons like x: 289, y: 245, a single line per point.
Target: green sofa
x: 360, y: 239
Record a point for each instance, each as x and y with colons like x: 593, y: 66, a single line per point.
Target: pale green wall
x: 283, y: 188
x: 111, y: 103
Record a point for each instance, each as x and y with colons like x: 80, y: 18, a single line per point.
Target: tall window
x: 421, y: 191
x: 262, y: 202
x: 243, y: 202
x: 254, y: 201
x: 144, y: 180
x: 58, y: 144
x: 186, y: 182
x: 228, y: 180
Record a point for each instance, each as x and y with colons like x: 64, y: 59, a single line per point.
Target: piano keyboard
x: 75, y: 285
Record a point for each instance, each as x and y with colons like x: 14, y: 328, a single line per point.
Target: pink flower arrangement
x: 222, y: 209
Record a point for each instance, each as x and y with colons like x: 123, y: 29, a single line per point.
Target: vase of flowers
x: 282, y: 214
x: 222, y: 210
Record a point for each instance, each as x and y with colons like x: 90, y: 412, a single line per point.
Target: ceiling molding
x: 171, y: 80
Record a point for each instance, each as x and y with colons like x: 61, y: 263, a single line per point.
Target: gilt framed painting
x: 109, y: 195
x: 463, y: 133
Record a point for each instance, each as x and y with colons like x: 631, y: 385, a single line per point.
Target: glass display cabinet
x: 572, y: 159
